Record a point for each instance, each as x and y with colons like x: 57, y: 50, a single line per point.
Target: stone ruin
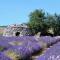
x: 16, y: 30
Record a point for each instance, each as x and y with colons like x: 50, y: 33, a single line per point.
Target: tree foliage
x: 36, y: 20
x: 39, y: 21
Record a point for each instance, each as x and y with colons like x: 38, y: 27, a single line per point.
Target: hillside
x: 2, y: 29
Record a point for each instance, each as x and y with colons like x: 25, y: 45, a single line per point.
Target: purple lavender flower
x: 3, y: 57
x: 51, y: 53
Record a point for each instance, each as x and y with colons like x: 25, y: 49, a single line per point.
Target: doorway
x: 17, y: 33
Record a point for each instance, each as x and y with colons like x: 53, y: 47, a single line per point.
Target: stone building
x: 16, y: 30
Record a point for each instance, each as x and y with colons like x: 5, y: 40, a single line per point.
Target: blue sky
x: 17, y: 11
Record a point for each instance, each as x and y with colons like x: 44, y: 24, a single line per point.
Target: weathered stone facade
x: 16, y: 30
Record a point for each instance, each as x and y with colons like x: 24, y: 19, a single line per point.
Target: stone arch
x: 17, y: 33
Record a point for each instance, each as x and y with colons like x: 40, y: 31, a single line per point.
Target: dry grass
x: 11, y: 54
x: 16, y: 43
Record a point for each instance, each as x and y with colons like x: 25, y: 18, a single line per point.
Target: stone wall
x: 13, y: 30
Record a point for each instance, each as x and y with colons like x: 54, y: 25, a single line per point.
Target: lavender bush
x: 24, y: 47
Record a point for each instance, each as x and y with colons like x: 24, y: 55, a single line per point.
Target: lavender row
x: 52, y: 53
x: 22, y: 46
x: 49, y: 40
x: 25, y: 46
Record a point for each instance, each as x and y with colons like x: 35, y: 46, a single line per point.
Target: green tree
x: 39, y: 21
x: 36, y: 21
x: 57, y: 26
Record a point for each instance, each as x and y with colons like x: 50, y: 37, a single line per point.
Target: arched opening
x: 17, y: 33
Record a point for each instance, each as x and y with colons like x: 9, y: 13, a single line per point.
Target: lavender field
x: 29, y: 48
